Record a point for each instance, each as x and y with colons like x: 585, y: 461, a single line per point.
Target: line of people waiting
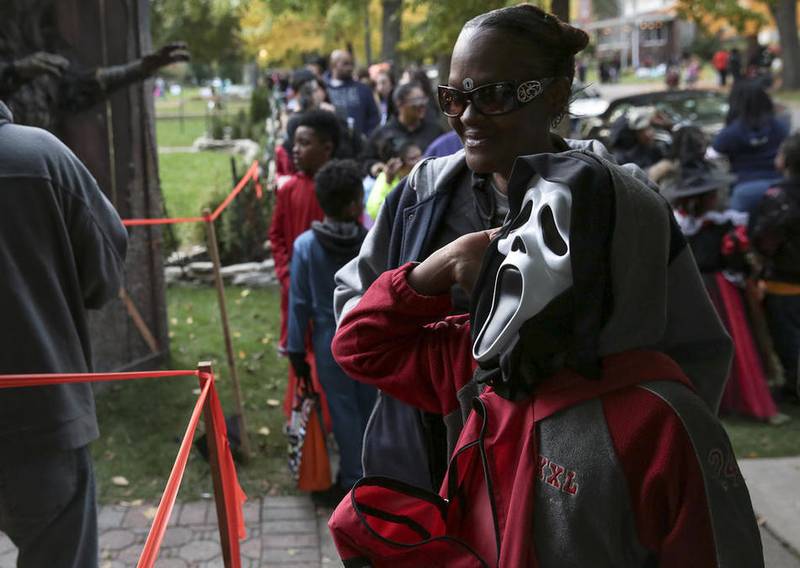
x: 374, y: 127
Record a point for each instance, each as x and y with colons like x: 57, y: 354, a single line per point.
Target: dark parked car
x: 703, y: 108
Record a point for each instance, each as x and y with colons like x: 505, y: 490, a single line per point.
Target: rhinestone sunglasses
x: 492, y: 99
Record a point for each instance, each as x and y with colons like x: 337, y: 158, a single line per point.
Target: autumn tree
x: 391, y: 28
x: 280, y: 38
x: 784, y: 12
x: 747, y: 19
x: 410, y: 30
x: 210, y: 27
x: 433, y: 36
x: 287, y: 30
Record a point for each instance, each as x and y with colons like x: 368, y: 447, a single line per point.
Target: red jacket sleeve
x: 403, y: 343
x: 278, y: 238
x: 664, y: 479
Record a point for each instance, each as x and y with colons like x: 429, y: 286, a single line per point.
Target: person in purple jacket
x: 445, y: 145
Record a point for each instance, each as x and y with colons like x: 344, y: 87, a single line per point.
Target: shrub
x: 217, y: 126
x: 170, y: 242
x: 242, y: 228
x: 260, y: 109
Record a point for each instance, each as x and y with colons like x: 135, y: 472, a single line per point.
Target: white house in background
x: 637, y: 32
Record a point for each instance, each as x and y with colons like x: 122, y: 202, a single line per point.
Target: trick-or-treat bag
x: 308, y: 452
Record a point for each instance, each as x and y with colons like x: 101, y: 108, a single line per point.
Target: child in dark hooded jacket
x: 318, y: 253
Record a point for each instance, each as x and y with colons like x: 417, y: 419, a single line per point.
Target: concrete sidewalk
x: 774, y: 486
x: 282, y: 532
x: 288, y: 532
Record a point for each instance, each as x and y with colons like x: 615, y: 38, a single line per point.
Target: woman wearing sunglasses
x: 509, y: 84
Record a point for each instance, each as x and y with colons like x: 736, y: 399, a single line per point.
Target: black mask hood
x: 566, y: 332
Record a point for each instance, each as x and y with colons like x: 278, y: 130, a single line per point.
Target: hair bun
x: 555, y: 41
x: 575, y: 39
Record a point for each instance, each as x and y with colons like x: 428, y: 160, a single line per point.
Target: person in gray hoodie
x: 63, y: 252
x: 509, y: 85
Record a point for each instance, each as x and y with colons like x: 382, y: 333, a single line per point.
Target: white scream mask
x: 536, y: 269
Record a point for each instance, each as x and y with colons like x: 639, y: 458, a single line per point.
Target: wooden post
x: 216, y: 477
x: 138, y: 321
x: 213, y: 250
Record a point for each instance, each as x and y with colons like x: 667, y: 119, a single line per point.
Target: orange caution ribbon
x: 250, y: 175
x: 232, y: 498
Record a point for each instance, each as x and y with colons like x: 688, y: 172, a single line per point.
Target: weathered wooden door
x: 116, y: 140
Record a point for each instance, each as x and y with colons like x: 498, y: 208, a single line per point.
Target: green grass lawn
x: 171, y: 132
x: 790, y: 97
x: 188, y: 180
x: 752, y: 439
x: 142, y: 422
x: 190, y: 102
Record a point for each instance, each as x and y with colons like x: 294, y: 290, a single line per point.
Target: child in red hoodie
x: 296, y: 207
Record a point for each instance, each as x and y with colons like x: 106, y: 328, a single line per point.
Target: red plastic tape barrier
x: 35, y: 380
x: 232, y: 493
x: 153, y: 543
x: 168, y: 221
x: 251, y: 174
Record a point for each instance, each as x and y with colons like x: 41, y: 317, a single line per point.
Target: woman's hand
x: 456, y: 263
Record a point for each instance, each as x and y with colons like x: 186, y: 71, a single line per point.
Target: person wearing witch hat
x: 585, y: 443
x: 721, y: 246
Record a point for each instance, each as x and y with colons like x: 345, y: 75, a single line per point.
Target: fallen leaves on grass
x: 120, y: 481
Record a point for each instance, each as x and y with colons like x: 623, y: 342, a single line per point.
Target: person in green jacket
x: 400, y: 155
